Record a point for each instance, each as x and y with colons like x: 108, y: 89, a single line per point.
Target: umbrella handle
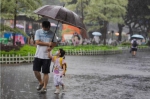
x: 56, y: 29
x: 55, y: 32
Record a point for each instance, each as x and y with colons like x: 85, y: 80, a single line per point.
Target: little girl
x: 58, y: 69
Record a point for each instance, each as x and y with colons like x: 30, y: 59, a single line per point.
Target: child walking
x: 58, y: 69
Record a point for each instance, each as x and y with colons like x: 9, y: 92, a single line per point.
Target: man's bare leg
x: 38, y: 76
x: 45, y: 80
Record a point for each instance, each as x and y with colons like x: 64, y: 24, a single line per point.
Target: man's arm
x: 50, y: 44
x: 38, y: 42
x: 53, y: 44
x: 50, y: 55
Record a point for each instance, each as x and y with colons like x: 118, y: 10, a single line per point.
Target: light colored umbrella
x: 137, y: 36
x: 96, y: 33
x: 18, y: 26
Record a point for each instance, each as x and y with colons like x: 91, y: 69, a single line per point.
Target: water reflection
x: 51, y: 96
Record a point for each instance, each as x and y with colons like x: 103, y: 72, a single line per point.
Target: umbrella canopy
x: 18, y: 26
x: 97, y: 33
x: 137, y: 36
x: 53, y: 24
x: 61, y: 14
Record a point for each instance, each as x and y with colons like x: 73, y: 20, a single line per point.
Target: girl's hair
x: 62, y: 52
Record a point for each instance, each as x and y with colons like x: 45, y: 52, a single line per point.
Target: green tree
x: 7, y: 28
x: 101, y: 12
x: 138, y: 16
x: 51, y: 2
x: 11, y: 8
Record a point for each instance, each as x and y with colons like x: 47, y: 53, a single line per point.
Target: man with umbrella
x: 43, y: 40
x: 63, y: 15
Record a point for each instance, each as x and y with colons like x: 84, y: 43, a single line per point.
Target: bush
x: 126, y: 44
x: 8, y: 48
x: 23, y: 51
x: 87, y: 47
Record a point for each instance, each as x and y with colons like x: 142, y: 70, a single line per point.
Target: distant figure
x: 134, y: 45
x: 31, y: 39
x: 18, y: 42
x: 75, y: 39
x: 96, y: 39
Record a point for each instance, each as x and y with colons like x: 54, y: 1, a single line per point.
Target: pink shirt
x: 57, y: 68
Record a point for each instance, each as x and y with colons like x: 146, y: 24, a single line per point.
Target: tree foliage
x: 8, y: 7
x: 101, y: 12
x: 138, y: 16
x: 11, y: 8
x: 51, y: 2
x: 16, y: 30
x: 105, y: 10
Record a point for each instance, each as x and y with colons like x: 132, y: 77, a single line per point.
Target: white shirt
x: 41, y: 51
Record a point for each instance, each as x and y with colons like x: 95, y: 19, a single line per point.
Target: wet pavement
x: 118, y: 76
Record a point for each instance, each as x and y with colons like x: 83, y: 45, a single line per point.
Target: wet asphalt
x: 119, y: 76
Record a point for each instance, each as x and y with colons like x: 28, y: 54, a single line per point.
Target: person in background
x: 134, y: 45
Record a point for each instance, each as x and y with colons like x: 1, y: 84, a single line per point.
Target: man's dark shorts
x: 43, y: 64
x: 134, y: 49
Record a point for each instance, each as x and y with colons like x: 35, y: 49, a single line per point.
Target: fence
x: 91, y: 52
x: 9, y: 59
x: 12, y: 59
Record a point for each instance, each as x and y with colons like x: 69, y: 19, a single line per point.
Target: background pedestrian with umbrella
x: 96, y: 38
x: 134, y: 45
x: 137, y: 36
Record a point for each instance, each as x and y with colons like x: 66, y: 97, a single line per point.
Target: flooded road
x: 119, y: 76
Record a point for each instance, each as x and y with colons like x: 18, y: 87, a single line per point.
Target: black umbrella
x: 61, y: 14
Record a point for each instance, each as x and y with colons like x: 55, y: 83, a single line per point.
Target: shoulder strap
x: 54, y: 58
x: 60, y: 60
